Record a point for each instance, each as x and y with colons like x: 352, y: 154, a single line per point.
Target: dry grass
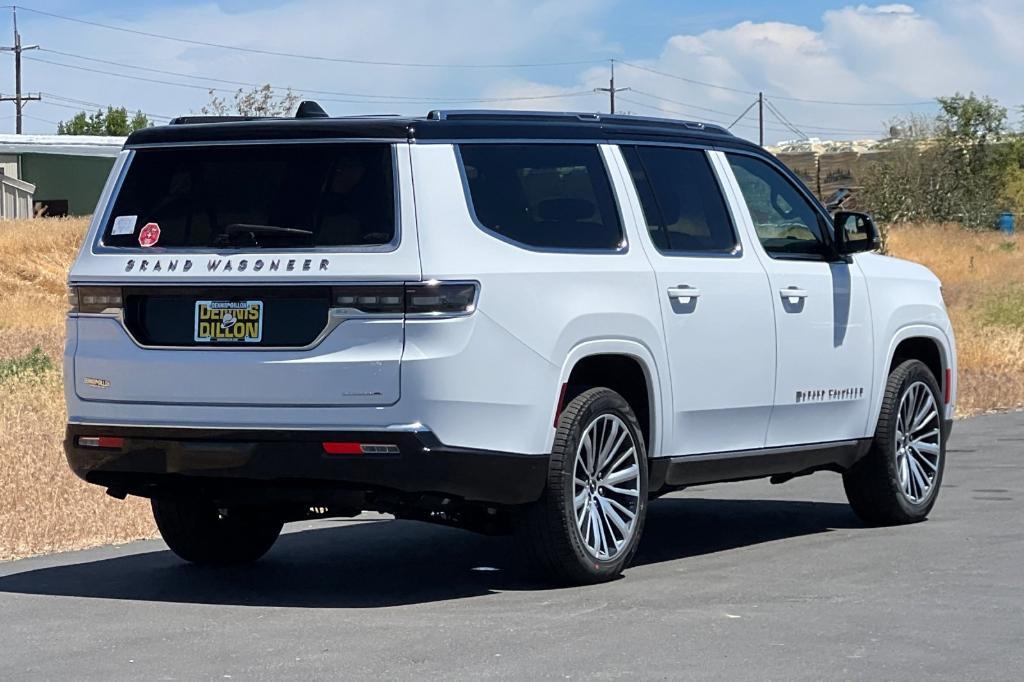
x: 44, y: 508
x: 982, y: 277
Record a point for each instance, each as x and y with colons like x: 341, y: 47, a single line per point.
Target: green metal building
x: 54, y: 174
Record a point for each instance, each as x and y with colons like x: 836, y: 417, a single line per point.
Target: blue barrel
x: 1006, y: 222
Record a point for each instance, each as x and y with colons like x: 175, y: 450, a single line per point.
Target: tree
x: 955, y: 168
x: 260, y: 101
x: 114, y: 121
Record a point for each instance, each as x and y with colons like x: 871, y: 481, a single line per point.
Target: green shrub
x: 34, y: 364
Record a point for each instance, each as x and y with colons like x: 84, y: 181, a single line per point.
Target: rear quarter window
x: 544, y: 196
x: 257, y: 196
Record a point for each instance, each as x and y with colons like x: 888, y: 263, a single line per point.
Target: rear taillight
x: 369, y: 299
x: 427, y: 299
x: 435, y: 298
x: 94, y: 299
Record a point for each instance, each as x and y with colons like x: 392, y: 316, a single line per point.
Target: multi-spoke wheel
x: 899, y: 478
x: 606, y: 486
x: 918, y: 442
x: 588, y: 523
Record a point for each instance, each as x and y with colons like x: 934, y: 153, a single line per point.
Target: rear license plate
x: 229, y: 321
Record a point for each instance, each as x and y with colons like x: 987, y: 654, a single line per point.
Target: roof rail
x: 572, y: 117
x: 190, y: 120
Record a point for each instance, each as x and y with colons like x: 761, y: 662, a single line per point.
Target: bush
x: 34, y: 364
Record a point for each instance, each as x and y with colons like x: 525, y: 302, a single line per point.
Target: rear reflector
x: 948, y: 389
x: 561, y: 403
x: 108, y: 442
x: 343, y: 448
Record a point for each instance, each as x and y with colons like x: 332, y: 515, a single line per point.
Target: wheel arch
x: 619, y: 365
x: 931, y: 346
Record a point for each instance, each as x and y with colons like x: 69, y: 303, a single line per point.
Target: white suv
x: 505, y: 321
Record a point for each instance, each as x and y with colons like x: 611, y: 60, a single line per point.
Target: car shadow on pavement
x: 387, y: 563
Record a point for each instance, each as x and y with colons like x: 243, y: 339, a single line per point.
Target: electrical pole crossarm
x: 611, y: 89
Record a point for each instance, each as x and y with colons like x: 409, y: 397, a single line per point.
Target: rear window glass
x: 547, y: 196
x: 265, y: 196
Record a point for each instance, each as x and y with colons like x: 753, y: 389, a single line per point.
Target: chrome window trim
x: 623, y: 249
x: 737, y: 250
x: 99, y: 248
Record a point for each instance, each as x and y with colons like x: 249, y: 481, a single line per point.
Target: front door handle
x: 793, y: 294
x: 683, y: 292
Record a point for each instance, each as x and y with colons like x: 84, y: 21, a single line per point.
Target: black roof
x: 436, y: 126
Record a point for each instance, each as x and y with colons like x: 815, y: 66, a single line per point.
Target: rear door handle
x: 793, y: 293
x: 683, y: 292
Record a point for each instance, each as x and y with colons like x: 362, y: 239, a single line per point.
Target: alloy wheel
x: 606, y: 487
x: 918, y: 445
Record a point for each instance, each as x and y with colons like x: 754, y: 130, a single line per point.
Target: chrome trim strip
x: 335, y: 316
x: 414, y: 427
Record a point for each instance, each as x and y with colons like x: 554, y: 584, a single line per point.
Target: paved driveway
x: 739, y: 581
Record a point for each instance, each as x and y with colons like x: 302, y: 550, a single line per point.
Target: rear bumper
x: 156, y: 460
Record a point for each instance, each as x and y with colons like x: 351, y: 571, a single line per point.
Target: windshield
x: 256, y: 196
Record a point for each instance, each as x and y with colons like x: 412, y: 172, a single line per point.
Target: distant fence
x: 825, y: 172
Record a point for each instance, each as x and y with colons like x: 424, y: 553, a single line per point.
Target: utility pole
x: 18, y: 48
x: 611, y: 89
x: 760, y: 117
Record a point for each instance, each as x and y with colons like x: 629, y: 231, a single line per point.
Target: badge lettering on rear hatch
x: 229, y: 321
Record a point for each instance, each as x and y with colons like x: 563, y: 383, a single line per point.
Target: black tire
x: 873, y: 485
x: 546, y: 531
x: 199, y: 532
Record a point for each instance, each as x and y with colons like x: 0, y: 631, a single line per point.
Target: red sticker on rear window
x: 149, y: 235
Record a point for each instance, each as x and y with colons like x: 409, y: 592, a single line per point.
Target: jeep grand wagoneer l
x: 499, y: 320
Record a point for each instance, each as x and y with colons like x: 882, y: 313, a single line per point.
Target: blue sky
x: 855, y: 54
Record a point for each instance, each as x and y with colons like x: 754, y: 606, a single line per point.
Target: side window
x: 682, y: 203
x: 786, y: 223
x: 549, y: 196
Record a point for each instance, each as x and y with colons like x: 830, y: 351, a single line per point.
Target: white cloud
x: 890, y: 52
x: 865, y: 54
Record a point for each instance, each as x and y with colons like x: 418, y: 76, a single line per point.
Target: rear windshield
x: 256, y: 196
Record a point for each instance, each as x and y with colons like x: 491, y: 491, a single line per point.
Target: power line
x: 717, y: 86
x: 745, y: 112
x: 822, y: 129
x: 309, y: 91
x: 681, y: 103
x: 207, y: 88
x: 784, y: 121
x: 78, y: 108
x: 295, y: 55
x: 687, y: 80
x: 82, y: 102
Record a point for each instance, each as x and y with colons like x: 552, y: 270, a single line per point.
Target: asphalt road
x: 739, y: 581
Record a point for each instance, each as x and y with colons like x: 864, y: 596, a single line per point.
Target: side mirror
x: 855, y: 232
